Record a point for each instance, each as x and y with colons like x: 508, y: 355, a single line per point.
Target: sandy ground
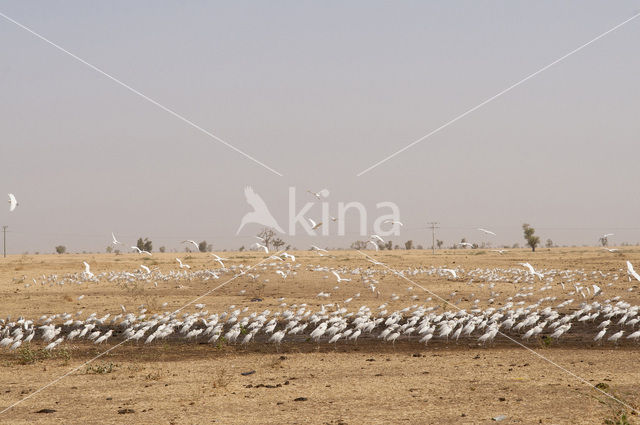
x: 368, y: 382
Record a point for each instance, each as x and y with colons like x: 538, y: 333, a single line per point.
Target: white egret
x: 12, y: 202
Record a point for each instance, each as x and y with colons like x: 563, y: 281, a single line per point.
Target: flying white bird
x: 141, y: 251
x: 145, y: 268
x: 257, y: 245
x: 313, y: 247
x: 314, y: 225
x: 286, y: 255
x: 596, y: 290
x: 488, y: 232
x: 375, y: 245
x: 453, y: 273
x: 87, y: 269
x: 12, y: 202
x: 377, y: 237
x: 322, y: 194
x: 183, y: 266
x: 610, y: 249
x: 631, y: 271
x: 532, y: 270
x: 606, y: 235
x: 115, y: 241
x: 470, y: 245
x: 340, y: 279
x: 194, y: 243
x: 218, y: 259
x: 499, y: 251
x: 393, y: 222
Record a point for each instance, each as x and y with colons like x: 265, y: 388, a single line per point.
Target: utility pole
x: 434, y: 226
x: 4, y: 241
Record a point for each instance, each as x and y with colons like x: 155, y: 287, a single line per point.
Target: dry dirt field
x: 347, y: 383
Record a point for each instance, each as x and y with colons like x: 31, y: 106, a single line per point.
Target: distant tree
x: 419, y: 247
x: 277, y: 243
x: 439, y: 243
x: 359, y: 245
x: 388, y: 245
x: 604, y: 241
x: 408, y: 244
x: 203, y: 247
x: 61, y: 249
x: 269, y: 237
x: 163, y: 249
x: 530, y: 237
x: 144, y: 245
x: 549, y: 243
x: 241, y: 248
x: 515, y: 246
x: 109, y: 249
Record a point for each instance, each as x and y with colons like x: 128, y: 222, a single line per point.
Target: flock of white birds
x: 508, y: 303
x: 501, y: 304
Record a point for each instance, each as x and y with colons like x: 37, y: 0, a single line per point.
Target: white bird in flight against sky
x: 141, y: 251
x: 115, y: 241
x: 394, y: 222
x: 488, y: 232
x: 314, y: 225
x: 262, y: 247
x: 12, y: 202
x: 322, y: 194
x: 192, y: 242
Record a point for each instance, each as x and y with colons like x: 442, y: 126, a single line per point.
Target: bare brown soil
x: 367, y: 382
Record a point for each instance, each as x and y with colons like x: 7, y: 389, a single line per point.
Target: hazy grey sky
x: 319, y: 91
